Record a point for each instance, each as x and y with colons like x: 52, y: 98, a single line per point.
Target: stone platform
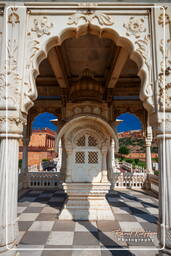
x: 86, y: 201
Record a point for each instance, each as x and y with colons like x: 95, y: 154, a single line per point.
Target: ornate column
x: 111, y: 159
x: 68, y: 165
x: 164, y: 138
x: 104, y: 166
x: 12, y: 64
x: 24, y: 167
x: 9, y: 152
x: 26, y: 140
x: 148, y: 141
x: 60, y: 156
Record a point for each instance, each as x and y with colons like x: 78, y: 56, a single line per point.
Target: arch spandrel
x: 135, y: 40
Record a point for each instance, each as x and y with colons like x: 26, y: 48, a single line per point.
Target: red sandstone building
x: 41, y: 146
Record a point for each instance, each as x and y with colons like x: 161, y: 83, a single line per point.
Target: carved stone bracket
x: 89, y: 16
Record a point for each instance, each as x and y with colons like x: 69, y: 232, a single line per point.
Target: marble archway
x: 87, y: 140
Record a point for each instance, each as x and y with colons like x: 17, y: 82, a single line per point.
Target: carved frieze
x: 41, y: 26
x: 89, y: 17
x: 135, y: 27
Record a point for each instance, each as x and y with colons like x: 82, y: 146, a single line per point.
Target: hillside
x: 136, y: 144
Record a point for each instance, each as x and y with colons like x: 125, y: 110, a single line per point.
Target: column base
x: 86, y: 201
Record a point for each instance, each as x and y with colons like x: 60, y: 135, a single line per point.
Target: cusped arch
x: 102, y: 32
x: 82, y: 120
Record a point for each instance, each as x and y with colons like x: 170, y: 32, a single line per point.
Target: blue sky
x: 130, y: 122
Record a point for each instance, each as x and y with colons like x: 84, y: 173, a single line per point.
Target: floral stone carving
x: 88, y: 17
x: 41, y: 26
x: 135, y: 27
x: 13, y: 17
x: 164, y: 18
x: 10, y: 79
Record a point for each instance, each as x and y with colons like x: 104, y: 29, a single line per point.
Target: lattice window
x: 93, y: 157
x: 80, y: 157
x: 81, y: 141
x: 92, y: 141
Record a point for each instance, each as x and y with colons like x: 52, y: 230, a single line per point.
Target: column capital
x: 11, y: 127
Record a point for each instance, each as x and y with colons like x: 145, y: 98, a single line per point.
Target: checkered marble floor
x: 134, y: 226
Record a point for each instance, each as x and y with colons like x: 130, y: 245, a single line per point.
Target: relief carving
x: 143, y: 48
x: 164, y: 75
x: 88, y: 17
x: 15, y: 125
x: 164, y: 18
x: 13, y: 17
x: 41, y: 26
x: 10, y: 79
x: 135, y: 27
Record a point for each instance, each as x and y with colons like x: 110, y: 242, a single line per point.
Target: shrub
x: 156, y: 173
x: 45, y: 160
x: 124, y: 150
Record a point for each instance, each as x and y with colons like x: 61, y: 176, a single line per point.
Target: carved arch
x: 82, y: 121
x: 146, y: 93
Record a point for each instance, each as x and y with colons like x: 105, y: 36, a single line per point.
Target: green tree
x: 124, y: 150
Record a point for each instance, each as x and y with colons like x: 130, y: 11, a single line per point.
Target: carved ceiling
x: 107, y: 63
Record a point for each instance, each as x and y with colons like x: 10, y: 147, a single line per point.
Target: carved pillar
x: 164, y: 138
x: 148, y: 141
x: 59, y: 156
x: 104, y: 166
x: 9, y: 151
x: 63, y: 162
x: 111, y: 159
x: 26, y: 140
x: 68, y: 167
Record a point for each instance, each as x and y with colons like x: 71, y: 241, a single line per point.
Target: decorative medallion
x: 41, y: 26
x: 13, y: 17
x: 88, y: 17
x: 135, y: 26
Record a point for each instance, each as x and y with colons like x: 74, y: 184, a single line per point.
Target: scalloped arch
x: 101, y: 32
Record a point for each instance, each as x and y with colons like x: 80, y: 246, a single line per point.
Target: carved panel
x: 89, y: 17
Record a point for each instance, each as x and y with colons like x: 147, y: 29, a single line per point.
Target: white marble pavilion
x: 86, y: 63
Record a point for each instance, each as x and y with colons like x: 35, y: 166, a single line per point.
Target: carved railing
x: 44, y: 180
x: 129, y: 180
x: 127, y: 166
